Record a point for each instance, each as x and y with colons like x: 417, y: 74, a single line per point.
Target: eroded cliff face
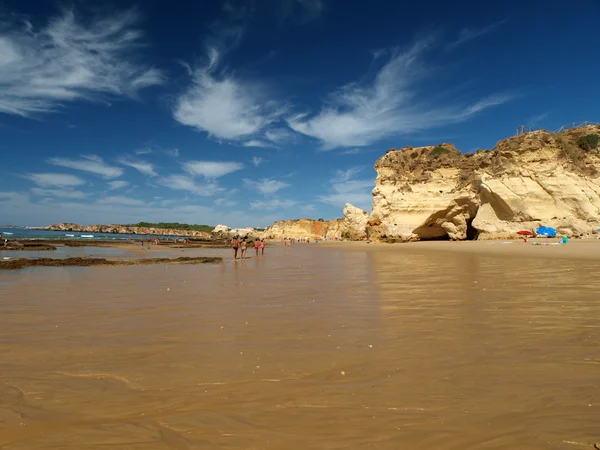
x: 538, y: 178
x: 297, y: 229
x: 352, y: 227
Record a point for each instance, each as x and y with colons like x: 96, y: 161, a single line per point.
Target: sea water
x: 28, y: 234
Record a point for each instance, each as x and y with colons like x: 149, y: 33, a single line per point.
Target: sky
x: 246, y: 112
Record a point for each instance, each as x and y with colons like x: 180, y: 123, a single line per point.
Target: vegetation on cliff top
x: 588, y: 142
x: 173, y: 226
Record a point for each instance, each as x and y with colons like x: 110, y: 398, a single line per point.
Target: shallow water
x: 320, y: 348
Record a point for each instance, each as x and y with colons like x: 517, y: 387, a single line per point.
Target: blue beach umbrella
x: 546, y: 231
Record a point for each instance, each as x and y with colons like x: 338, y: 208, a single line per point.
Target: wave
x: 70, y: 235
x: 6, y: 232
x: 87, y: 235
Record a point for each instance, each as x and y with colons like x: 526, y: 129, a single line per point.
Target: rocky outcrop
x: 335, y: 229
x: 351, y: 227
x: 534, y: 179
x: 120, y: 229
x: 355, y: 223
x: 297, y: 229
x: 224, y: 231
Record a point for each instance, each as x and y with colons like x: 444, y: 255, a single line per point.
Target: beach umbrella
x: 546, y: 231
x: 525, y: 233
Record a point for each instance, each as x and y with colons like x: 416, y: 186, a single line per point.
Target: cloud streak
x: 211, y: 169
x: 60, y: 180
x: 392, y: 103
x: 345, y: 187
x: 266, y: 185
x: 68, y: 60
x: 89, y: 163
x: 144, y: 167
x: 468, y: 34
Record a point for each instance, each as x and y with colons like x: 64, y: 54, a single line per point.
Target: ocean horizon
x: 16, y: 233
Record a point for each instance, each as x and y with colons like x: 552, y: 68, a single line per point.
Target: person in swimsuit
x: 243, y: 246
x: 235, y: 244
x: 256, y: 245
x: 262, y: 246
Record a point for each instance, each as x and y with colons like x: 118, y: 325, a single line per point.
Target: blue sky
x: 246, y: 112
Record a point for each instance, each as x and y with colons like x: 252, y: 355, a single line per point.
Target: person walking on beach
x: 235, y: 244
x: 256, y: 245
x: 262, y: 247
x: 243, y: 247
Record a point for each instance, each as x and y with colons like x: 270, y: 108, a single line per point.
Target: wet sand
x: 336, y: 346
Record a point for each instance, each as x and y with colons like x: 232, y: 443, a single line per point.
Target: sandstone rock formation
x: 335, y: 229
x: 355, y: 223
x: 534, y: 179
x: 352, y: 227
x: 297, y: 229
x: 224, y: 231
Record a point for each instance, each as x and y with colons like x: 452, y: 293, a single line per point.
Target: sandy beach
x: 472, y: 345
x: 587, y: 249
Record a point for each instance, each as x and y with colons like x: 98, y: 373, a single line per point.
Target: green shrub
x: 588, y: 142
x: 172, y: 225
x: 437, y: 151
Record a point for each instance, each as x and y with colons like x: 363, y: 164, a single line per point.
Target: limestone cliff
x: 355, y: 223
x: 352, y: 227
x: 297, y: 229
x: 534, y: 179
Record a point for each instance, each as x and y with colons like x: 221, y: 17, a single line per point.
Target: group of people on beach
x: 241, y: 245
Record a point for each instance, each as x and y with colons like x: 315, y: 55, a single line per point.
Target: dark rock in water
x: 28, y: 246
x: 87, y: 262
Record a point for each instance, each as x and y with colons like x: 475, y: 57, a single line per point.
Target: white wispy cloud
x: 257, y: 161
x: 173, y: 152
x: 59, y: 193
x: 537, y: 119
x: 308, y: 209
x: 351, y: 151
x: 257, y: 143
x: 118, y: 184
x: 228, y: 203
x: 211, y: 169
x: 89, y: 163
x: 20, y: 209
x: 121, y: 201
x: 55, y: 179
x: 272, y: 204
x: 266, y: 185
x: 143, y: 167
x: 468, y: 34
x: 224, y: 106
x: 184, y: 183
x: 143, y: 151
x: 344, y: 188
x: 359, y: 114
x: 70, y: 59
x: 279, y: 135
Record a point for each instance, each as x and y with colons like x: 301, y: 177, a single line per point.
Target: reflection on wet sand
x: 311, y: 347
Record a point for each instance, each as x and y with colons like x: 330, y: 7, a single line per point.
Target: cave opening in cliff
x: 471, y: 231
